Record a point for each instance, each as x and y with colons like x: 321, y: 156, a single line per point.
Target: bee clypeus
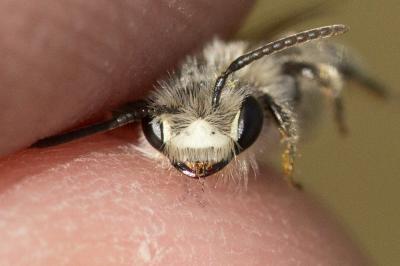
x: 213, y: 108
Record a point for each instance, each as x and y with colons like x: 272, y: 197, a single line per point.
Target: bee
x: 213, y: 108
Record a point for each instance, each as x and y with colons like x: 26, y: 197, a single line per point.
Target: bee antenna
x: 274, y: 47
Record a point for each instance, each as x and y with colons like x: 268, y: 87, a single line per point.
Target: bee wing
x: 356, y: 74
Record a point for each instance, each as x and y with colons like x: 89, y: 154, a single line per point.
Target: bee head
x: 200, y: 143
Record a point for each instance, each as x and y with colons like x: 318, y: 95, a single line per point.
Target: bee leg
x: 288, y: 128
x: 330, y: 79
x: 340, y: 115
x: 335, y: 95
x: 334, y: 92
x: 352, y: 72
x: 288, y: 156
x: 355, y: 73
x: 135, y: 112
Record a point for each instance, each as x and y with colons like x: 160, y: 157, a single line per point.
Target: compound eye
x: 153, y: 132
x: 250, y: 123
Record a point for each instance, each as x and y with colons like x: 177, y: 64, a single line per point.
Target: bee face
x: 199, y: 146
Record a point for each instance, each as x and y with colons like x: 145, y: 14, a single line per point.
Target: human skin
x: 97, y: 201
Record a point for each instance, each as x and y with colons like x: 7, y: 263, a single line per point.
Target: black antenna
x: 274, y: 47
x: 130, y: 113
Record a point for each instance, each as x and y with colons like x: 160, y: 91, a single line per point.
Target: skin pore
x: 99, y: 202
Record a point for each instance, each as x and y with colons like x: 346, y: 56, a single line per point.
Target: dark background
x: 356, y: 177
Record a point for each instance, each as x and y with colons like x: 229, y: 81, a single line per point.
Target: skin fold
x: 97, y: 201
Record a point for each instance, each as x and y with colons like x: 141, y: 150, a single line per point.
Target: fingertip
x: 101, y: 190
